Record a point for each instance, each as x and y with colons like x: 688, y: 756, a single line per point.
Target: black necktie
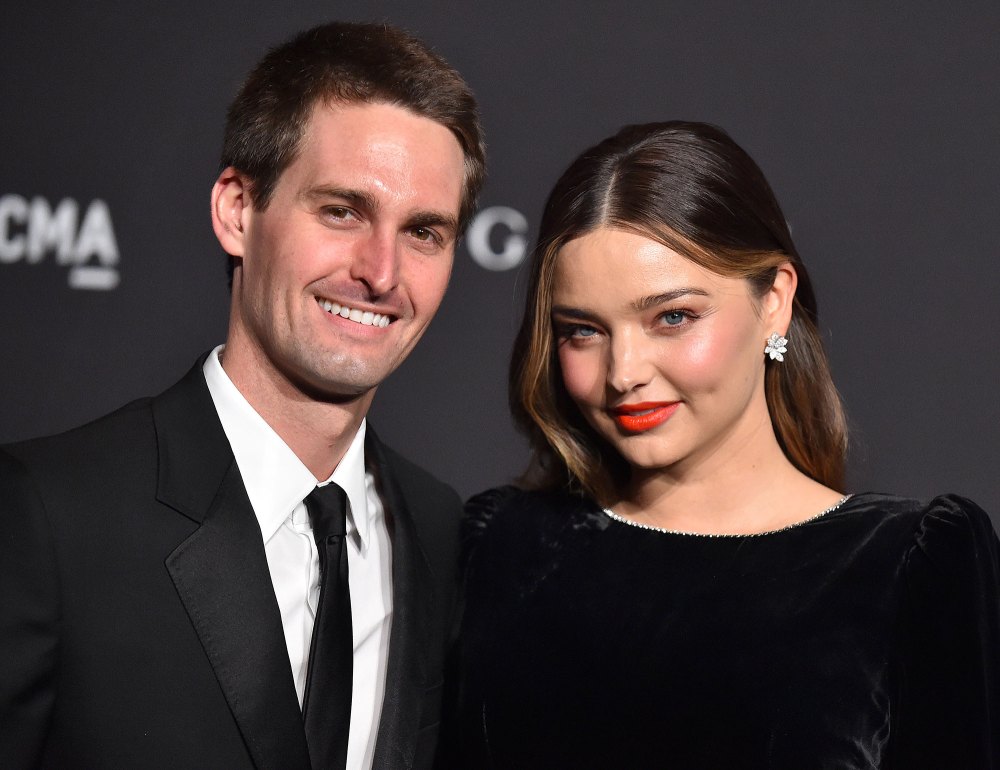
x: 326, y: 706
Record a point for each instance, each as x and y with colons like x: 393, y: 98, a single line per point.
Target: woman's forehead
x: 616, y: 261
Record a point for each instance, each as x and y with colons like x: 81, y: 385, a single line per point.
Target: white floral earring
x: 776, y: 347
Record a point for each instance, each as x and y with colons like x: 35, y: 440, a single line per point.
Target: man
x: 176, y: 590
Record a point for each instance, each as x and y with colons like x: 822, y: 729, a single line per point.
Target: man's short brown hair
x: 346, y: 63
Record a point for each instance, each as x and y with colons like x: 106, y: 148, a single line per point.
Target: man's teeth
x: 363, y: 317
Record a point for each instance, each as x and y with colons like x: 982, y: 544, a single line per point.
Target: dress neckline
x: 638, y: 525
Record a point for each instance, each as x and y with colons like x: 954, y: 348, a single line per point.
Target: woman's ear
x: 777, y: 302
x: 230, y: 203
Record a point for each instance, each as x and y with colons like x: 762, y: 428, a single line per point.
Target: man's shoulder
x: 430, y: 506
x: 88, y: 468
x: 120, y: 436
x: 417, y: 484
x: 105, y: 435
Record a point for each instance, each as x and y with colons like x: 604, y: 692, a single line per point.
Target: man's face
x: 344, y: 269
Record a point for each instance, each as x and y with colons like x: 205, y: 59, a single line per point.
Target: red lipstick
x: 644, y: 416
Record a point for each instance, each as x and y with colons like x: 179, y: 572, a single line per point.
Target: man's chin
x: 323, y: 387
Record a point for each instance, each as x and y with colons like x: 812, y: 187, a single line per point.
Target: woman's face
x: 664, y: 358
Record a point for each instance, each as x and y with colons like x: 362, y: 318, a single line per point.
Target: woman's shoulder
x: 947, y: 625
x: 946, y: 529
x: 948, y: 510
x: 528, y: 511
x: 514, y: 526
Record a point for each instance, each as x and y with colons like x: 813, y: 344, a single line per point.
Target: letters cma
x: 29, y: 230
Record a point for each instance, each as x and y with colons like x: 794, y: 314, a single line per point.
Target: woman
x: 684, y: 583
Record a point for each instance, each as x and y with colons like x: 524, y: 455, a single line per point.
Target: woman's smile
x: 636, y: 418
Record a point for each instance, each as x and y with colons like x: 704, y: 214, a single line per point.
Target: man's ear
x: 230, y: 204
x: 778, y: 300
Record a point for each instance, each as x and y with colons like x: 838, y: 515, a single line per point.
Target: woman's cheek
x: 581, y: 373
x: 708, y: 358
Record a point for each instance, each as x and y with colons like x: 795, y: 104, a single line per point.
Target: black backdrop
x: 877, y: 124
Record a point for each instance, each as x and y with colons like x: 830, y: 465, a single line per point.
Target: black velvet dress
x: 868, y: 637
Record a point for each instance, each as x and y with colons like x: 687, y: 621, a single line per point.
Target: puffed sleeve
x: 482, y: 583
x: 480, y: 510
x: 462, y: 744
x: 948, y: 713
x: 28, y: 617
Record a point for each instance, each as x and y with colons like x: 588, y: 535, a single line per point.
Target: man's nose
x: 376, y: 262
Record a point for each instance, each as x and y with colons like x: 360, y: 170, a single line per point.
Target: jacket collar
x: 221, y: 575
x: 194, y: 454
x: 222, y: 578
x: 412, y: 589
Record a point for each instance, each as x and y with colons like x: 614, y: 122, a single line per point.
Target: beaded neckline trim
x: 615, y: 517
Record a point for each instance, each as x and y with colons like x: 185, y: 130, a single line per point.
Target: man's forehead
x: 378, y: 152
x: 337, y: 119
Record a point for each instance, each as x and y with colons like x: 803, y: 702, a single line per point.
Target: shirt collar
x: 350, y: 475
x: 275, y: 478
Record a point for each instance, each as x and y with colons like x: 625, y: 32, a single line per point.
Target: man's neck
x: 318, y: 432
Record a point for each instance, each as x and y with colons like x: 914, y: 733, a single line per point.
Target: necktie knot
x: 327, y: 506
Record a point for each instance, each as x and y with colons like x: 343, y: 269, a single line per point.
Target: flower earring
x: 776, y: 347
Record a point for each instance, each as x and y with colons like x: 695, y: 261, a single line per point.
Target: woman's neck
x: 753, y: 489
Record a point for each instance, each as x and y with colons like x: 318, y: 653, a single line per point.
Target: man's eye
x: 339, y: 213
x: 422, y: 234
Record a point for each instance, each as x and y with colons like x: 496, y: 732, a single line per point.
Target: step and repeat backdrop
x: 877, y: 124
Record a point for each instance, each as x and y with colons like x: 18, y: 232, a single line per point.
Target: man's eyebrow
x: 359, y: 198
x: 434, y: 219
x: 368, y: 202
x: 651, y: 301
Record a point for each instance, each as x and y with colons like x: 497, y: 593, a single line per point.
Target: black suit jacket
x: 138, y: 623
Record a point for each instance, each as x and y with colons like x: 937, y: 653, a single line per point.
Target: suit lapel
x: 221, y: 574
x: 408, y: 639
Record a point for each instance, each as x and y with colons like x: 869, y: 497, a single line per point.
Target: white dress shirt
x: 277, y: 482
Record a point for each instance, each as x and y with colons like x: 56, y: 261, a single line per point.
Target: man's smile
x: 363, y: 317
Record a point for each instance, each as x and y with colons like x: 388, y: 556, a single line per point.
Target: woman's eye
x: 674, y: 317
x: 571, y: 331
x: 578, y: 332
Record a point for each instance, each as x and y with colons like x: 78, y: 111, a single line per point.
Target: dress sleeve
x: 480, y: 510
x: 462, y: 743
x: 948, y: 715
x: 28, y: 617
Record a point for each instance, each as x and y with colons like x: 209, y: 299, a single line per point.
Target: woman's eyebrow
x: 573, y: 312
x: 645, y: 303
